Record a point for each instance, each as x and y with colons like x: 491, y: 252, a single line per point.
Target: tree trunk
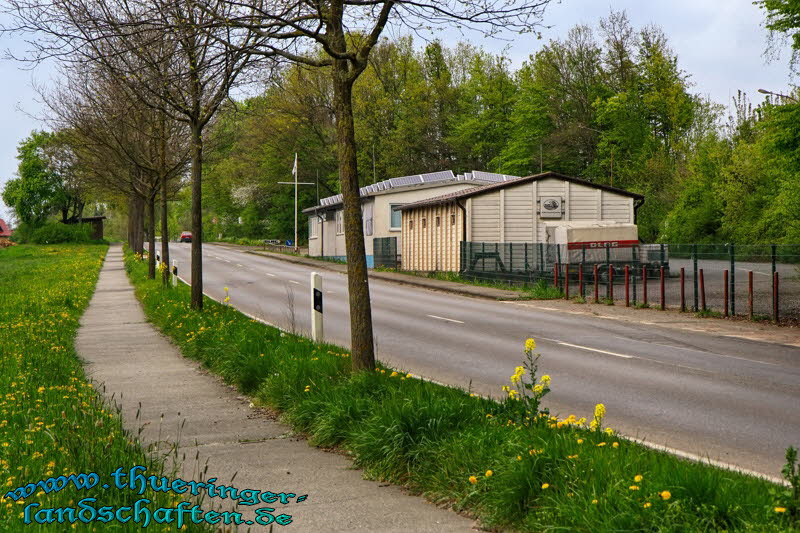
x: 151, y: 227
x: 135, y: 221
x: 361, y: 340
x: 164, y: 184
x: 197, y: 216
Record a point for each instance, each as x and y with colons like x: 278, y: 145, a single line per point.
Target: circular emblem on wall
x: 551, y: 205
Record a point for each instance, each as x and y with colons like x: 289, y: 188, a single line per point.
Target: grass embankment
x: 539, y: 290
x: 500, y: 462
x: 52, y: 422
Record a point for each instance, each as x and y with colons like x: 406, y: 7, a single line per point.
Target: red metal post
x: 775, y: 316
x: 596, y: 286
x: 663, y: 303
x: 725, y: 294
x: 702, y: 290
x: 683, y: 290
x: 644, y: 285
x: 627, y: 286
x: 750, y: 294
x: 566, y: 281
x: 580, y: 280
x: 556, y: 268
x: 610, y: 294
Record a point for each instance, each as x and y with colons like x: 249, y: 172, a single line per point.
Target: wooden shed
x: 515, y: 211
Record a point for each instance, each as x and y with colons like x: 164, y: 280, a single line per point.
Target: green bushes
x: 53, y: 233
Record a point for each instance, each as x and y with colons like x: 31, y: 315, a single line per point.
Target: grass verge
x: 52, y: 421
x: 507, y: 463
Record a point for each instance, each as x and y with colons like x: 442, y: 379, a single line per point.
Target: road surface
x: 729, y: 399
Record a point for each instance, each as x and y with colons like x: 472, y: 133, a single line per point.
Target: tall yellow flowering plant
x: 527, y: 394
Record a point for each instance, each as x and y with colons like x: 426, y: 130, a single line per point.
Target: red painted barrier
x: 566, y: 282
x: 750, y: 294
x: 580, y: 280
x: 556, y: 268
x: 627, y: 286
x: 683, y: 290
x: 702, y: 290
x: 663, y: 303
x: 725, y: 294
x: 644, y: 285
x: 596, y: 286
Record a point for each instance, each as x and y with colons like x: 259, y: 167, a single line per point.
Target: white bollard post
x: 174, y: 273
x: 316, y: 307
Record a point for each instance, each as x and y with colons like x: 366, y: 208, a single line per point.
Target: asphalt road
x: 729, y: 399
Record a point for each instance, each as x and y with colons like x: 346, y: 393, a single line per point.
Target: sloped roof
x: 475, y: 191
x: 4, y: 229
x: 432, y: 179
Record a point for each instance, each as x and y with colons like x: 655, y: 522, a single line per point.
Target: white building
x: 378, y: 204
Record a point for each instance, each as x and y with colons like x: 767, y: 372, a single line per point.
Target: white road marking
x: 270, y: 275
x: 295, y: 282
x: 226, y: 260
x: 615, y: 354
x: 239, y: 265
x: 329, y: 292
x: 446, y: 319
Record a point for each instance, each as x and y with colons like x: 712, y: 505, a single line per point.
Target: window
x: 339, y: 222
x: 395, y: 217
x: 312, y: 227
x: 366, y: 210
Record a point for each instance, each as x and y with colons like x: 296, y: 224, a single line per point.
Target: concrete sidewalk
x: 180, y: 403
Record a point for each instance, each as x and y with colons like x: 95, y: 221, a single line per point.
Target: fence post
x: 644, y: 284
x: 316, y: 307
x: 663, y: 303
x: 596, y: 286
x: 527, y: 265
x: 627, y: 286
x: 775, y: 280
x: 774, y: 258
x: 566, y: 281
x: 580, y: 281
x: 662, y: 255
x: 556, y: 268
x: 635, y: 270
x: 750, y: 294
x: 608, y: 271
x: 702, y: 290
x: 694, y: 263
x: 583, y: 253
x: 733, y: 279
x: 683, y: 290
x: 610, y: 292
x: 725, y: 293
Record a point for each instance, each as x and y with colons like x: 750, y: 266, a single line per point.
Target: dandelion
x: 665, y: 495
x: 780, y: 509
x: 634, y: 487
x: 530, y: 345
x: 489, y: 473
x: 594, y: 502
x: 488, y: 415
x: 473, y: 480
x: 580, y: 441
x: 393, y: 374
x: 519, y: 458
x: 638, y: 478
x: 408, y: 376
x: 545, y: 485
x: 615, y: 445
x: 572, y: 456
x: 647, y: 505
x: 601, y: 444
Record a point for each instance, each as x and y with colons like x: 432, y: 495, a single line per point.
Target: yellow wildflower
x: 780, y: 509
x: 599, y: 410
x: 648, y: 505
x: 530, y: 345
x: 634, y: 487
x: 580, y: 441
x: 665, y: 495
x: 545, y: 485
x: 638, y: 478
x: 473, y: 480
x: 615, y: 445
x: 489, y: 473
x: 545, y: 380
x: 600, y: 445
x: 594, y: 502
x: 393, y: 374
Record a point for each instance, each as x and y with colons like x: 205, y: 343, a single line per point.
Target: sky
x: 720, y: 43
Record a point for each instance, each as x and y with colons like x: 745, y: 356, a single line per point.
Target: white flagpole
x: 294, y: 171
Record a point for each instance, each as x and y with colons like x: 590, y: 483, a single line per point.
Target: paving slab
x: 175, y: 402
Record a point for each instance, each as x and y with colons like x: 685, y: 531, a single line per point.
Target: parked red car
x: 186, y: 236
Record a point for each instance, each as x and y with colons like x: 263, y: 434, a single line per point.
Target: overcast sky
x: 720, y: 43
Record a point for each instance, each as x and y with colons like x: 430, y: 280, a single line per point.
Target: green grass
x: 540, y: 290
x: 52, y: 421
x: 432, y: 439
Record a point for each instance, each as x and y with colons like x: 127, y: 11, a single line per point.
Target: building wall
x: 429, y: 245
x: 334, y: 245
x: 506, y: 215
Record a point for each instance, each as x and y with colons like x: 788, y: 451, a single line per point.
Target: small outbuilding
x: 5, y: 231
x: 524, y: 210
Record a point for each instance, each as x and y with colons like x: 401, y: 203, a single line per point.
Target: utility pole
x: 295, y: 183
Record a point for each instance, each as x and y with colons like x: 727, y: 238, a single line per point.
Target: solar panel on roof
x: 438, y: 176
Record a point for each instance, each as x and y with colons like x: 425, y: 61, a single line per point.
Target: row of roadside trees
x: 143, y: 79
